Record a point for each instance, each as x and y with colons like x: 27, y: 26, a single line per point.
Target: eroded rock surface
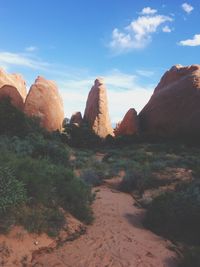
x: 96, y: 111
x: 174, y: 108
x: 14, y: 87
x: 44, y: 101
x: 129, y: 124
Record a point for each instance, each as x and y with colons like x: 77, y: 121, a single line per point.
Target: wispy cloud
x: 138, y: 34
x: 195, y: 41
x: 187, y: 8
x: 31, y: 48
x: 145, y: 73
x: 8, y: 59
x: 166, y: 28
x: 148, y: 11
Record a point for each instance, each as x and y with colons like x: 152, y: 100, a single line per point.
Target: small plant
x: 40, y: 219
x: 91, y: 177
x: 12, y: 192
x: 135, y: 180
x: 176, y: 215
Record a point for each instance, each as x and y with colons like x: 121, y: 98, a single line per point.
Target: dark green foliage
x: 39, y: 219
x: 51, y: 185
x: 12, y: 191
x: 137, y: 181
x: 82, y: 136
x: 37, y: 146
x: 41, y: 168
x: 15, y: 122
x: 177, y: 215
x: 91, y: 177
x: 75, y: 196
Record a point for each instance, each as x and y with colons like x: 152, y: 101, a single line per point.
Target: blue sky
x: 129, y: 43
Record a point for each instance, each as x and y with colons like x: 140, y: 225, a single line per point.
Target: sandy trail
x: 116, y: 239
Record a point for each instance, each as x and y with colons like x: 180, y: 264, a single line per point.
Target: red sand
x: 116, y: 239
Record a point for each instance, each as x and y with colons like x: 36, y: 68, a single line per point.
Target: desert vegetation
x: 37, y: 182
x: 43, y: 175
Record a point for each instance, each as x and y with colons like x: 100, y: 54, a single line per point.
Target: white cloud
x: 31, y: 48
x: 195, y: 41
x: 145, y: 73
x: 17, y: 59
x: 138, y: 34
x: 148, y: 11
x: 166, y: 28
x: 187, y: 8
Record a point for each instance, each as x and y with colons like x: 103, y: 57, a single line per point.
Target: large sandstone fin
x: 44, y: 101
x: 174, y: 108
x: 96, y: 111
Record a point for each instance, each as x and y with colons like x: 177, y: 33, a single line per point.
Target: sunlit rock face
x: 14, y: 87
x: 44, y: 101
x: 174, y: 108
x: 129, y: 124
x: 96, y: 111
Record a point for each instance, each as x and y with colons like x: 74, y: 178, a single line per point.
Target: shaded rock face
x: 14, y: 87
x: 96, y: 111
x: 174, y: 108
x: 129, y: 124
x: 76, y: 118
x: 44, y: 101
x: 11, y: 92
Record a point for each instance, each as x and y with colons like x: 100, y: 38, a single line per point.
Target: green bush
x: 14, y: 122
x: 137, y: 180
x: 40, y: 219
x: 51, y: 185
x: 82, y: 136
x: 91, y: 177
x: 176, y: 215
x: 12, y: 191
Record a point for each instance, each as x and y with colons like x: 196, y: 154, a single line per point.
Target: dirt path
x: 116, y: 239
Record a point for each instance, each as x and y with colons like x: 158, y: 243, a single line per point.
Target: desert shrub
x: 136, y: 180
x: 40, y: 219
x: 12, y: 191
x: 82, y: 136
x: 14, y: 122
x: 51, y: 185
x: 176, y: 215
x: 75, y: 196
x: 37, y: 146
x: 91, y: 177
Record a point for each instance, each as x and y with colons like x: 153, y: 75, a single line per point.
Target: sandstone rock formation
x: 174, y: 108
x: 96, y: 111
x: 11, y: 92
x: 129, y: 124
x: 76, y: 118
x: 44, y: 101
x: 14, y: 87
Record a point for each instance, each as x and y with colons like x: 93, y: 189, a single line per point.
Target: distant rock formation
x: 96, y: 111
x: 14, y: 87
x: 44, y: 101
x: 129, y: 124
x: 76, y: 118
x: 174, y: 108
